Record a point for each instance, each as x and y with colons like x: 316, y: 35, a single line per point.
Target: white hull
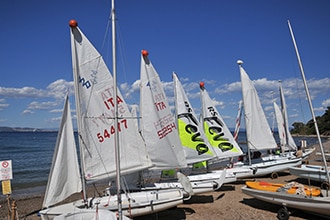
x: 88, y: 214
x: 316, y: 205
x: 199, y: 183
x: 138, y: 203
x: 264, y: 167
x: 327, y: 155
x: 312, y: 172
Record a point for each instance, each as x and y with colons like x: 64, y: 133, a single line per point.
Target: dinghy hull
x: 315, y: 205
x: 134, y: 204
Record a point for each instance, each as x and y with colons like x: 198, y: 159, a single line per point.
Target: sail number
x: 107, y: 133
x: 166, y: 130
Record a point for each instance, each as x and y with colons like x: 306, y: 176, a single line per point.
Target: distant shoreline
x: 310, y: 135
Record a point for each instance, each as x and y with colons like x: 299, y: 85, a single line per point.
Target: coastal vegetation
x: 323, y: 123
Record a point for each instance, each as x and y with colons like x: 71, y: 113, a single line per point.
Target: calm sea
x: 31, y: 154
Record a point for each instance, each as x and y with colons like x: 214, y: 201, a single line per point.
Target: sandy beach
x: 227, y: 203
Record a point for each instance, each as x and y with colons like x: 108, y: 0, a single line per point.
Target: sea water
x: 31, y: 155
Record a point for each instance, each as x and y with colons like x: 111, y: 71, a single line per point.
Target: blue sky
x: 199, y: 40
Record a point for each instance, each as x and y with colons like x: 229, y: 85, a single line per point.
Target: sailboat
x: 194, y: 141
x: 259, y: 138
x: 160, y: 132
x: 66, y: 180
x: 315, y: 205
x: 218, y: 134
x: 216, y: 130
x: 287, y: 144
x: 103, y: 126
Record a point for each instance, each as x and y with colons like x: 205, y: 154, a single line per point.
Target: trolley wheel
x: 283, y: 214
x: 325, y: 185
x: 274, y: 175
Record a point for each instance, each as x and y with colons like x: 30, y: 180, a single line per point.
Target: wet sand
x: 227, y: 203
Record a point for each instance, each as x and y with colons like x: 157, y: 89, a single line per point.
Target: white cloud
x: 326, y: 103
x: 56, y: 89
x: 59, y: 88
x: 24, y: 92
x: 42, y: 105
x: 220, y: 104
x: 3, y: 106
x: 27, y: 112
x: 320, y: 109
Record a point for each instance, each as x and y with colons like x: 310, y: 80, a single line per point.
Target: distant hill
x: 19, y: 129
x: 323, y: 124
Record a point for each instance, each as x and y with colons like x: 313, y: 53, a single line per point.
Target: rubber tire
x: 325, y: 185
x: 274, y: 175
x: 283, y: 214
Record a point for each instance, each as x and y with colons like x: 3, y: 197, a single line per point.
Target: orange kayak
x: 291, y: 188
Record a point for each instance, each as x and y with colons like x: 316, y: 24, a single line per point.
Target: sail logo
x: 189, y: 131
x: 93, y: 76
x: 153, y: 86
x: 84, y: 82
x: 214, y: 131
x: 88, y: 83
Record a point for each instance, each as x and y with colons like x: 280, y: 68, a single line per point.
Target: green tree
x: 323, y: 123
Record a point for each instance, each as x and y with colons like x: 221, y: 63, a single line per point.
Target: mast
x: 309, y: 101
x: 114, y: 66
x: 238, y: 120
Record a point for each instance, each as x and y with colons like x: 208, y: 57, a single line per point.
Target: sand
x: 227, y: 203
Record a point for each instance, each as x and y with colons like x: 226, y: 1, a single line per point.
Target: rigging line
x: 105, y: 37
x: 298, y: 88
x: 130, y: 94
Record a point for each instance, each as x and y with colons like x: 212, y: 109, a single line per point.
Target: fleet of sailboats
x: 158, y: 142
x: 99, y: 104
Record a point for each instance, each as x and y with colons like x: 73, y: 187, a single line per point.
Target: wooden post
x: 9, y: 209
x: 13, y: 210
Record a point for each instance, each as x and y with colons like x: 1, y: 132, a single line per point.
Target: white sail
x: 290, y: 144
x: 63, y: 181
x: 280, y: 127
x: 158, y: 125
x: 194, y: 141
x: 95, y: 103
x: 216, y: 130
x: 259, y: 135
